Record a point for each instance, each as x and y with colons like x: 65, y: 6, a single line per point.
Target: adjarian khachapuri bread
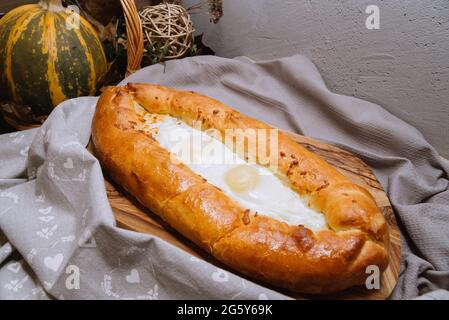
x: 244, y: 192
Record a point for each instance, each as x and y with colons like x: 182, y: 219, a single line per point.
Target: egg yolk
x: 242, y: 178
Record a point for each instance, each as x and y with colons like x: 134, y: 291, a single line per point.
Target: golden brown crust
x: 288, y: 256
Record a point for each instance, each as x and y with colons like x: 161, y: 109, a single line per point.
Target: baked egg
x: 252, y: 186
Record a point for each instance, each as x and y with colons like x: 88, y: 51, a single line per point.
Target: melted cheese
x: 253, y: 186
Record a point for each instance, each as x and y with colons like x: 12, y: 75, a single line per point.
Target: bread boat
x: 312, y: 230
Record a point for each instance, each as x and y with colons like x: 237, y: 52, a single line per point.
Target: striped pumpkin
x: 43, y: 61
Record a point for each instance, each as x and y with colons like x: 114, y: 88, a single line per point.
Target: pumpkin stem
x: 52, y: 5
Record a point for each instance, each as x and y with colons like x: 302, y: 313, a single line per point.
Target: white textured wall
x: 404, y: 66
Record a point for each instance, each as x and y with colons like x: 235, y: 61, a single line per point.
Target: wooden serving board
x: 133, y: 216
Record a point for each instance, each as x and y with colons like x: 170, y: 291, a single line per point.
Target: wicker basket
x: 134, y: 34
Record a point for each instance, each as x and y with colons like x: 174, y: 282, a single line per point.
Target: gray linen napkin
x: 57, y: 224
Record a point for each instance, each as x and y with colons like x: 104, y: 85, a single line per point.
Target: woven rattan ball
x: 168, y: 27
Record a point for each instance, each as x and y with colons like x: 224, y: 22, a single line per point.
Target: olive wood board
x: 131, y: 215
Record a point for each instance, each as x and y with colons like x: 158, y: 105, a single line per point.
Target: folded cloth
x: 60, y: 239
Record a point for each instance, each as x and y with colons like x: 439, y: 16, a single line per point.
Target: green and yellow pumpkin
x: 45, y: 58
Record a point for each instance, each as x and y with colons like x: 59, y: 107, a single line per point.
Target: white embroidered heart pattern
x: 24, y: 151
x: 133, y: 277
x: 46, y: 219
x: 220, y: 276
x: 14, y: 267
x: 53, y: 263
x: 87, y: 240
x: 45, y: 211
x: 68, y: 164
x: 263, y: 296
